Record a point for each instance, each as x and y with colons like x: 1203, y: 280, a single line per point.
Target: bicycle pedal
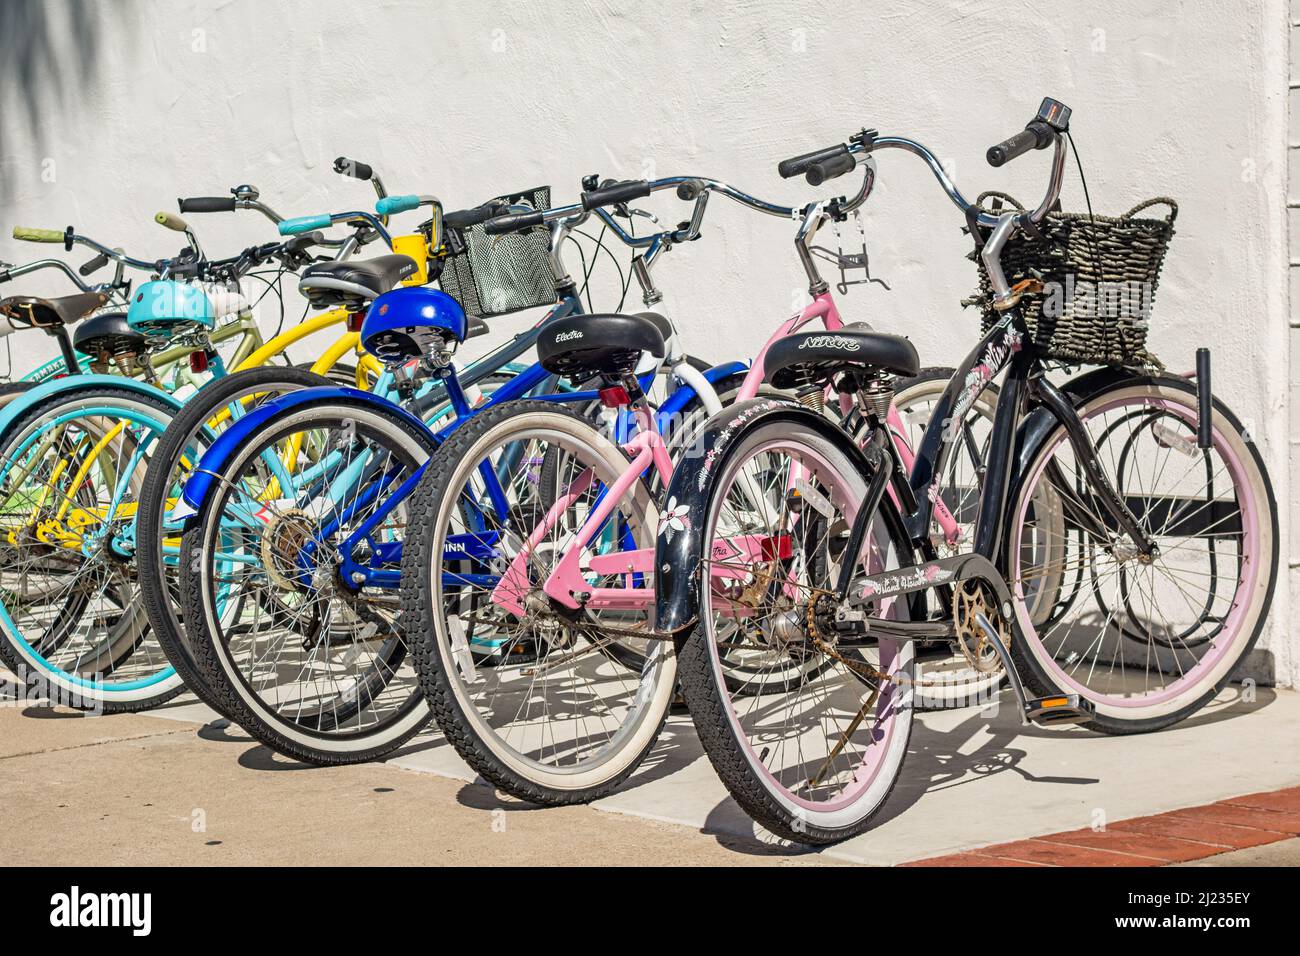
x: 1058, y: 709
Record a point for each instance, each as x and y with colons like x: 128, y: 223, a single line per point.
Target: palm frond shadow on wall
x: 51, y: 53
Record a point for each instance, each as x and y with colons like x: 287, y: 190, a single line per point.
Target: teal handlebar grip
x: 293, y: 227
x: 391, y: 204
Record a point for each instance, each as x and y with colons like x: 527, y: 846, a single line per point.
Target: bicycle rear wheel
x: 813, y: 762
x: 552, y: 704
x: 287, y: 580
x: 1148, y: 643
x: 71, y: 620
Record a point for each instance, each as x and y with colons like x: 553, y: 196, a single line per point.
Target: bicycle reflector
x: 615, y: 396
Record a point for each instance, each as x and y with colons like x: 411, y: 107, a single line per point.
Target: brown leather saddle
x: 38, y: 313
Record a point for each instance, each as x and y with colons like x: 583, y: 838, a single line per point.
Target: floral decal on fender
x: 673, y: 519
x: 729, y: 432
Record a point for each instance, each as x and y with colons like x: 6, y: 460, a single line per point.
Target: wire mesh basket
x: 497, y: 275
x: 1099, y: 276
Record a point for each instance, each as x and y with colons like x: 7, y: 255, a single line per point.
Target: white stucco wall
x: 114, y: 109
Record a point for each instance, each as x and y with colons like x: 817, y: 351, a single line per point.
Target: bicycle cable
x: 1087, y: 199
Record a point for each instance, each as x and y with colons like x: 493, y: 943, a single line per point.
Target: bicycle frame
x: 647, y: 451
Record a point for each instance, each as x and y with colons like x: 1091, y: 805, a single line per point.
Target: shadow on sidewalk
x: 935, y: 761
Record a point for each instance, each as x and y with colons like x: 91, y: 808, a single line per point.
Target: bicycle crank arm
x: 1044, y: 711
x: 881, y: 628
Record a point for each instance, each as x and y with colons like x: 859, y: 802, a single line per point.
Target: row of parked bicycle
x: 803, y: 549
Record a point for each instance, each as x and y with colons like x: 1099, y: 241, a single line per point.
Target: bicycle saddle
x: 407, y: 323
x: 109, y: 333
x: 807, y: 357
x: 353, y: 282
x: 41, y: 313
x: 583, y: 346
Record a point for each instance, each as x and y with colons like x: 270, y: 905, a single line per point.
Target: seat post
x: 65, y: 346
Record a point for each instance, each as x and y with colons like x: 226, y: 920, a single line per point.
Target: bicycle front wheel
x: 1147, y: 640
x: 194, y: 428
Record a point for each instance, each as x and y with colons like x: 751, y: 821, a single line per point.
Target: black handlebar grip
x: 304, y: 241
x: 789, y: 168
x: 353, y: 168
x: 512, y: 223
x: 464, y: 218
x: 819, y: 173
x: 615, y: 193
x: 1036, y: 135
x: 94, y: 265
x: 690, y: 189
x: 207, y: 204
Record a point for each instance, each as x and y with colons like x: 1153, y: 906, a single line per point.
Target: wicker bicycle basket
x: 1099, y: 276
x: 497, y: 275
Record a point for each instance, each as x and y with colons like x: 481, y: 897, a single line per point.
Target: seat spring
x: 877, y: 393
x: 813, y: 397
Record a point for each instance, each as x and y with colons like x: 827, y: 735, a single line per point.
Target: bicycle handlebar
x: 171, y: 221
x: 795, y: 165
x: 13, y: 272
x: 830, y: 168
x: 301, y: 224
x: 1036, y: 135
x: 353, y: 168
x: 464, y: 218
x: 513, y: 222
x: 395, y: 204
x: 93, y: 265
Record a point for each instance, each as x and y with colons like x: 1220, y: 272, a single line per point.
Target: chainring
x: 970, y: 600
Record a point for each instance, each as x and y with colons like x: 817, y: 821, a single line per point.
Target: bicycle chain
x: 594, y: 630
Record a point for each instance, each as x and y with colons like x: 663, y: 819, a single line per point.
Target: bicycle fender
x: 218, y: 454
x: 70, y: 383
x: 679, y: 537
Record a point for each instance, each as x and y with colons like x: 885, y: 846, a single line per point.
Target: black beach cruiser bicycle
x: 1123, y: 557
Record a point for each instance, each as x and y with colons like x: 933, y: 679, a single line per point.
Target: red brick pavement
x: 1193, y: 833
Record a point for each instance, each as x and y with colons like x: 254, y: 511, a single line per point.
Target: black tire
x: 417, y: 568
x: 155, y: 581
x: 315, y: 748
x: 11, y: 390
x: 139, y: 635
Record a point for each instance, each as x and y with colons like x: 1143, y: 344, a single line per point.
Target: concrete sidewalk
x: 132, y: 789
